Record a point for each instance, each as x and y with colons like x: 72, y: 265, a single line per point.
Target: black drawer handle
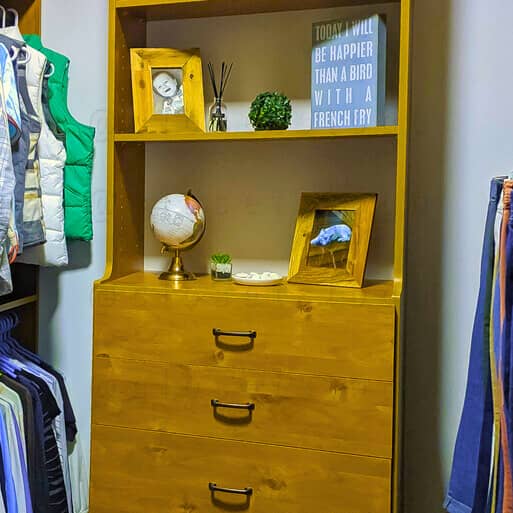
x: 221, y: 333
x: 234, y: 406
x: 248, y: 492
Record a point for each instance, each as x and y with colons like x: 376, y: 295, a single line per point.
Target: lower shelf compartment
x: 135, y: 471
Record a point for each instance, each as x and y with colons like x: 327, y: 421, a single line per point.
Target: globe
x: 178, y: 221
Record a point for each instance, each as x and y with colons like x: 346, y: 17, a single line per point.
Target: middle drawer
x: 333, y: 414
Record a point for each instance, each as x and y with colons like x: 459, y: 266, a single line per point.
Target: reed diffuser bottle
x: 218, y: 116
x: 217, y: 113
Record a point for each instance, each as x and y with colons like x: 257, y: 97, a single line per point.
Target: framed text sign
x: 348, y: 73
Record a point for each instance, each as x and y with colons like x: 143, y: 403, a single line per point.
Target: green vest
x: 78, y: 222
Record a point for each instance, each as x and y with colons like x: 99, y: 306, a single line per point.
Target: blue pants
x: 468, y: 487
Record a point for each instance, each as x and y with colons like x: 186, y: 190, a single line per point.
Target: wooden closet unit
x: 315, y: 372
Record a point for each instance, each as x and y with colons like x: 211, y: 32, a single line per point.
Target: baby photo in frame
x: 167, y: 88
x: 331, y: 240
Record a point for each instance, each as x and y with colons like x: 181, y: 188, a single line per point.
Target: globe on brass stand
x: 176, y: 271
x: 178, y: 222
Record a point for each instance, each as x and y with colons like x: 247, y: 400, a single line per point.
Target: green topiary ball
x: 270, y: 111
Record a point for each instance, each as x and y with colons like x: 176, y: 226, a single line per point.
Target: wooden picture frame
x: 340, y: 225
x: 183, y: 113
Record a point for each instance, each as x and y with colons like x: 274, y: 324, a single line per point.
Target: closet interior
x: 25, y: 295
x: 42, y: 468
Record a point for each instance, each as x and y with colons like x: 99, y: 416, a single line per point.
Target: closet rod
x: 11, y: 305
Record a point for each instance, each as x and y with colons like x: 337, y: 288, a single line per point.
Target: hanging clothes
x: 36, y: 425
x: 31, y: 74
x: 52, y: 158
x: 13, y: 110
x: 79, y: 147
x: 20, y: 145
x: 7, y: 184
x: 482, y: 477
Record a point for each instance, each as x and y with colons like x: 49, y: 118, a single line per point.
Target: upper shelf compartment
x: 180, y: 9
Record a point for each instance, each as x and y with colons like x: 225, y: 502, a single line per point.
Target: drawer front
x: 137, y: 471
x: 333, y: 414
x: 321, y: 338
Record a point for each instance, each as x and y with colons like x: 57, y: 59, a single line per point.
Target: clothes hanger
x: 5, y: 365
x: 18, y: 349
x: 27, y: 56
x: 16, y: 15
x: 14, y: 53
x: 4, y: 16
x: 52, y: 70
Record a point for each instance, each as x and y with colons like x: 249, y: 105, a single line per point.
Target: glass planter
x: 220, y: 272
x: 218, y: 118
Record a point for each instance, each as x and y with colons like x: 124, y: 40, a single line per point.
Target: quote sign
x: 348, y: 73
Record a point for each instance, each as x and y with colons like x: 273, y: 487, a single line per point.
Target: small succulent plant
x: 270, y: 111
x: 220, y: 258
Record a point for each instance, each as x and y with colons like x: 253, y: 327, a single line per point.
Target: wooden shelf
x: 180, y: 9
x: 11, y: 305
x: 259, y: 136
x: 374, y: 292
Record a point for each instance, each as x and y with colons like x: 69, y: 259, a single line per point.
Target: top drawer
x: 322, y: 338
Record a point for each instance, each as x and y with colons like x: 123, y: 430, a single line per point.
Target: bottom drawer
x: 135, y: 471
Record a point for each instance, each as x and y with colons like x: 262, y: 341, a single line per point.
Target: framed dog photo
x: 167, y: 87
x: 331, y: 240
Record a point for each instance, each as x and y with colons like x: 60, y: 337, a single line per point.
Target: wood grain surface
x: 135, y: 471
x: 333, y: 414
x: 296, y: 336
x: 166, y: 135
x: 177, y: 9
x: 375, y: 292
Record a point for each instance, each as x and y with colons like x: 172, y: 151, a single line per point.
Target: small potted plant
x: 220, y: 267
x: 270, y: 111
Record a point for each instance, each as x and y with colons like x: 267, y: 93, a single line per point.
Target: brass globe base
x: 176, y: 271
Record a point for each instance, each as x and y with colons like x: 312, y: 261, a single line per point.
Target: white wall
x: 461, y: 137
x: 78, y: 29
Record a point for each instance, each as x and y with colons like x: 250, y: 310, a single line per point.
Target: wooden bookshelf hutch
x: 323, y: 374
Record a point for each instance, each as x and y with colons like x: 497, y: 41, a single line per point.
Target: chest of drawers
x: 215, y: 403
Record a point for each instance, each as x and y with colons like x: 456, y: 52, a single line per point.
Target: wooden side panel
x: 402, y: 148
x: 136, y: 471
x: 130, y: 32
x: 127, y: 216
x: 126, y: 163
x: 400, y: 238
x: 331, y: 414
x: 307, y: 337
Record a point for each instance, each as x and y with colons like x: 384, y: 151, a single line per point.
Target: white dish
x: 258, y: 279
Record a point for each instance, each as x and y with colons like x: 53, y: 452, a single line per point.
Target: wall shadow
x: 423, y: 476
x: 80, y: 257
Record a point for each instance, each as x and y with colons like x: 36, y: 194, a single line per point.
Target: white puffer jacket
x: 52, y: 158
